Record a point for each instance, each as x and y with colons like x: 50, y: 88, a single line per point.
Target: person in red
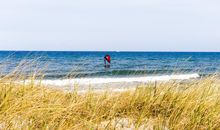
x: 107, y: 61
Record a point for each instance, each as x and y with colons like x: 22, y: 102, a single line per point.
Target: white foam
x: 91, y: 81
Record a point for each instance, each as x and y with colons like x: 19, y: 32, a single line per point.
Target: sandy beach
x: 110, y: 65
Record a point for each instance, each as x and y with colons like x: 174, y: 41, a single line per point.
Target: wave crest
x: 143, y: 79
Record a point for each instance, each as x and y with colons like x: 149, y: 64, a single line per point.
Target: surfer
x: 107, y: 61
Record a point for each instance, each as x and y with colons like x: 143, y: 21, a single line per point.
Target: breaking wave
x: 98, y: 80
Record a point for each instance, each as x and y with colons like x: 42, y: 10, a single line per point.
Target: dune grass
x: 171, y: 105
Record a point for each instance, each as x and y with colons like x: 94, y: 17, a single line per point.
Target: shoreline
x: 112, y: 83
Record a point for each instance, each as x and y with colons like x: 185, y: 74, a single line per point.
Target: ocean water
x: 125, y: 66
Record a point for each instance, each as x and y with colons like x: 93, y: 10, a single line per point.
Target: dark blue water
x: 91, y: 64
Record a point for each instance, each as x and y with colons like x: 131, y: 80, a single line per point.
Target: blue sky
x: 110, y: 25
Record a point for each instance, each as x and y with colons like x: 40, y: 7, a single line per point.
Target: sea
x: 60, y: 67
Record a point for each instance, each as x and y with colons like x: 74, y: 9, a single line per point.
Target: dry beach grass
x: 166, y: 105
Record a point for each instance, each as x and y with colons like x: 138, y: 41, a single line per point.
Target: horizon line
x: 106, y: 51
